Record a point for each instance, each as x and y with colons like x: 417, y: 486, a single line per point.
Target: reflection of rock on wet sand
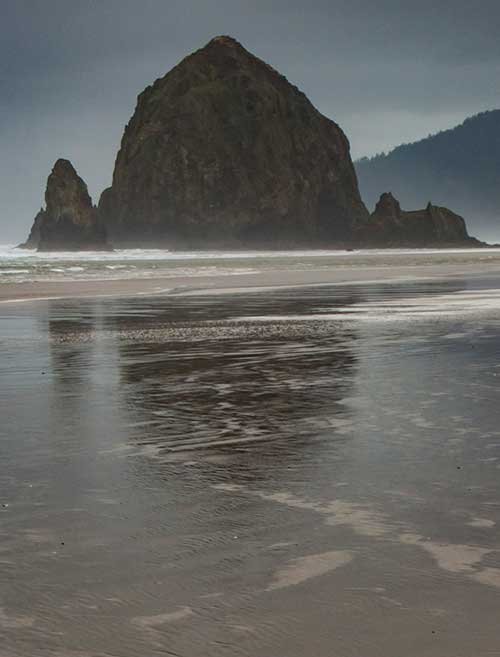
x: 248, y: 388
x: 72, y: 335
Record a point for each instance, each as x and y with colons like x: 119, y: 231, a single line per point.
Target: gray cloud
x: 386, y: 71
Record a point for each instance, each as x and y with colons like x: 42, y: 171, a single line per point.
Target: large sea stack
x: 69, y: 221
x: 224, y: 151
x: 432, y: 226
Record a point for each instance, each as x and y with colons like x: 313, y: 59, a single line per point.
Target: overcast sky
x: 387, y: 71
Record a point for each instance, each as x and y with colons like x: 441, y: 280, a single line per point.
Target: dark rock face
x: 69, y: 221
x: 223, y: 150
x: 34, y: 236
x: 432, y: 226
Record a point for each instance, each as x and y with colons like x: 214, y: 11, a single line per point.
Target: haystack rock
x: 69, y: 221
x: 433, y: 226
x: 222, y: 151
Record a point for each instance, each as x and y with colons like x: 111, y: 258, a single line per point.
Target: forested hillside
x: 458, y: 168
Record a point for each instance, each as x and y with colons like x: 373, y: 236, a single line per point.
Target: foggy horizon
x: 387, y: 75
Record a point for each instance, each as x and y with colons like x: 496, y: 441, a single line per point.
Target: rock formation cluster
x: 389, y: 225
x: 221, y: 152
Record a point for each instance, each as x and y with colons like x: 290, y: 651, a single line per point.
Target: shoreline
x: 231, y: 283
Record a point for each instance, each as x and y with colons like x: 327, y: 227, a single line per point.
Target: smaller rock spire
x: 69, y: 221
x: 388, y: 206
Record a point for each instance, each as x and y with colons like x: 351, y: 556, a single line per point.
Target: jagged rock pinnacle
x: 69, y: 221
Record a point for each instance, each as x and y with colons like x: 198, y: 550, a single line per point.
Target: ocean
x: 22, y: 266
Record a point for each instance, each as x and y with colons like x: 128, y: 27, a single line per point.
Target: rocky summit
x: 389, y: 225
x: 69, y: 221
x: 224, y: 151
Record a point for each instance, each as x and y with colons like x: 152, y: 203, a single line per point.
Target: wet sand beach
x: 301, y: 470
x: 354, y: 273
